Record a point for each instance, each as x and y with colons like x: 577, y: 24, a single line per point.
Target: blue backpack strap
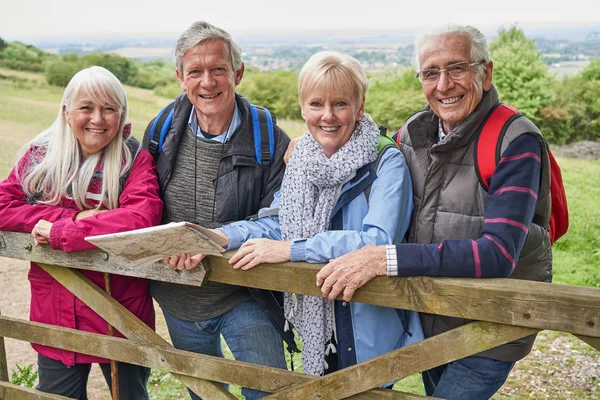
x: 160, y: 128
x: 264, y: 137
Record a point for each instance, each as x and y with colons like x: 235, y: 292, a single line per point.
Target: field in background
x: 28, y: 105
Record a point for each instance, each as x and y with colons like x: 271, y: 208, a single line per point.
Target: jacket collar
x: 423, y: 130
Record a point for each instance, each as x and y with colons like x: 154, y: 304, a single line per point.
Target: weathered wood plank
x: 125, y: 322
x: 8, y: 391
x: 508, y: 301
x: 20, y: 246
x: 592, y: 341
x: 3, y: 361
x: 164, y: 358
x: 523, y: 303
x: 449, y: 346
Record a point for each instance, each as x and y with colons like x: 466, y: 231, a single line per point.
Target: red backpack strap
x: 398, y: 134
x: 489, y: 142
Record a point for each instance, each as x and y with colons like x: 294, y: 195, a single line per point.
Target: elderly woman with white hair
x: 338, y: 194
x: 84, y: 175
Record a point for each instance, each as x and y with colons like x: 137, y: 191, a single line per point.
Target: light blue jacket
x: 380, y: 218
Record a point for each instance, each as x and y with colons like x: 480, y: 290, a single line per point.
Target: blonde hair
x: 57, y: 168
x: 331, y: 69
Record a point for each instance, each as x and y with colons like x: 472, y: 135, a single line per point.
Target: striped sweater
x: 509, y: 210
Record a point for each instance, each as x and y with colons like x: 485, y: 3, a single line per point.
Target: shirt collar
x: 441, y: 134
x: 236, y: 120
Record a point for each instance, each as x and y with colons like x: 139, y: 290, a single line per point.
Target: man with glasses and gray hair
x: 458, y: 229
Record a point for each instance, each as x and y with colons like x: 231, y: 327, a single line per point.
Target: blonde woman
x: 84, y: 175
x: 338, y: 194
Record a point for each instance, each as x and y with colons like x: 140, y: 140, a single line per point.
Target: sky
x: 21, y: 19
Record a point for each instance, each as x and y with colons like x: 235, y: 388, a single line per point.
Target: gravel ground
x: 560, y: 366
x: 584, y: 150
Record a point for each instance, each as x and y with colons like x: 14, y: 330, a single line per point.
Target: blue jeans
x: 473, y: 378
x: 247, y: 330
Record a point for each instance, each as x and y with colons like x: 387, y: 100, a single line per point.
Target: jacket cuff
x: 410, y: 262
x: 298, y: 250
x: 235, y: 241
x: 56, y: 235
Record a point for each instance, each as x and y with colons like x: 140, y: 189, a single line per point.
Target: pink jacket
x: 140, y: 206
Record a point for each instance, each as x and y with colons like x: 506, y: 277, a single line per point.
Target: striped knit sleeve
x: 509, y: 210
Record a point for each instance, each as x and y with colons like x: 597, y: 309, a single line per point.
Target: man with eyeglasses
x: 459, y: 229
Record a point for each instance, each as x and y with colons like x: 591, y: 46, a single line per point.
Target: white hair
x: 57, y: 169
x: 479, y: 46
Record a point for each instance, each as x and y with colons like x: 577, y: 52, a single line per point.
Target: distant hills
x: 289, y: 50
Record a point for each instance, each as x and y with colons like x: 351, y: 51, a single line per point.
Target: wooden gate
x: 504, y: 310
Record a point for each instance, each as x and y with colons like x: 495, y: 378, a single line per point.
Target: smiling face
x: 93, y: 124
x: 331, y: 115
x: 453, y: 100
x: 209, y: 80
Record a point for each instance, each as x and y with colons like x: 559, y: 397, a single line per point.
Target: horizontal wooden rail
x: 8, y: 391
x: 529, y: 304
x: 438, y: 350
x: 168, y: 359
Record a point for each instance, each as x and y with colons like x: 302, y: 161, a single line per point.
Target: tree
x: 3, y: 44
x: 59, y: 72
x: 520, y: 74
x: 275, y: 90
x: 393, y: 96
x: 574, y: 115
x: 123, y: 68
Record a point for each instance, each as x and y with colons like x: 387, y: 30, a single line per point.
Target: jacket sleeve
x: 140, y: 206
x: 386, y: 221
x: 274, y: 176
x: 509, y: 210
x: 16, y: 214
x: 267, y: 227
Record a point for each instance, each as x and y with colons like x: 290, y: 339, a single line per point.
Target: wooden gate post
x: 3, y: 362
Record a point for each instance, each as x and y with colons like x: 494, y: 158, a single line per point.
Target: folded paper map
x: 148, y: 245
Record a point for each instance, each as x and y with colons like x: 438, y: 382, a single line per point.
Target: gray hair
x: 479, y: 46
x: 202, y: 31
x: 56, y: 159
x: 332, y: 69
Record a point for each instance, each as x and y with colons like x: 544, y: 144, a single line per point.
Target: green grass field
x: 28, y: 105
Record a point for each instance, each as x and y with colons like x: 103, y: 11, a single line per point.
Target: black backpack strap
x: 264, y: 137
x: 268, y: 213
x: 159, y: 129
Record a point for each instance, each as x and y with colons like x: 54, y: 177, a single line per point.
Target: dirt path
x: 14, y: 302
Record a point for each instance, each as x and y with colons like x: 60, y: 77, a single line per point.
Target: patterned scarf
x: 309, y: 192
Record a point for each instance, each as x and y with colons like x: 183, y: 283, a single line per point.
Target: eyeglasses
x: 455, y: 71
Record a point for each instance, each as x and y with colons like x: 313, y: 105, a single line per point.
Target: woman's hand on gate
x: 41, y: 232
x: 261, y: 251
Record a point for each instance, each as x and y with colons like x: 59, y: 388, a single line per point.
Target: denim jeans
x: 247, y: 330
x: 55, y: 377
x: 473, y: 378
